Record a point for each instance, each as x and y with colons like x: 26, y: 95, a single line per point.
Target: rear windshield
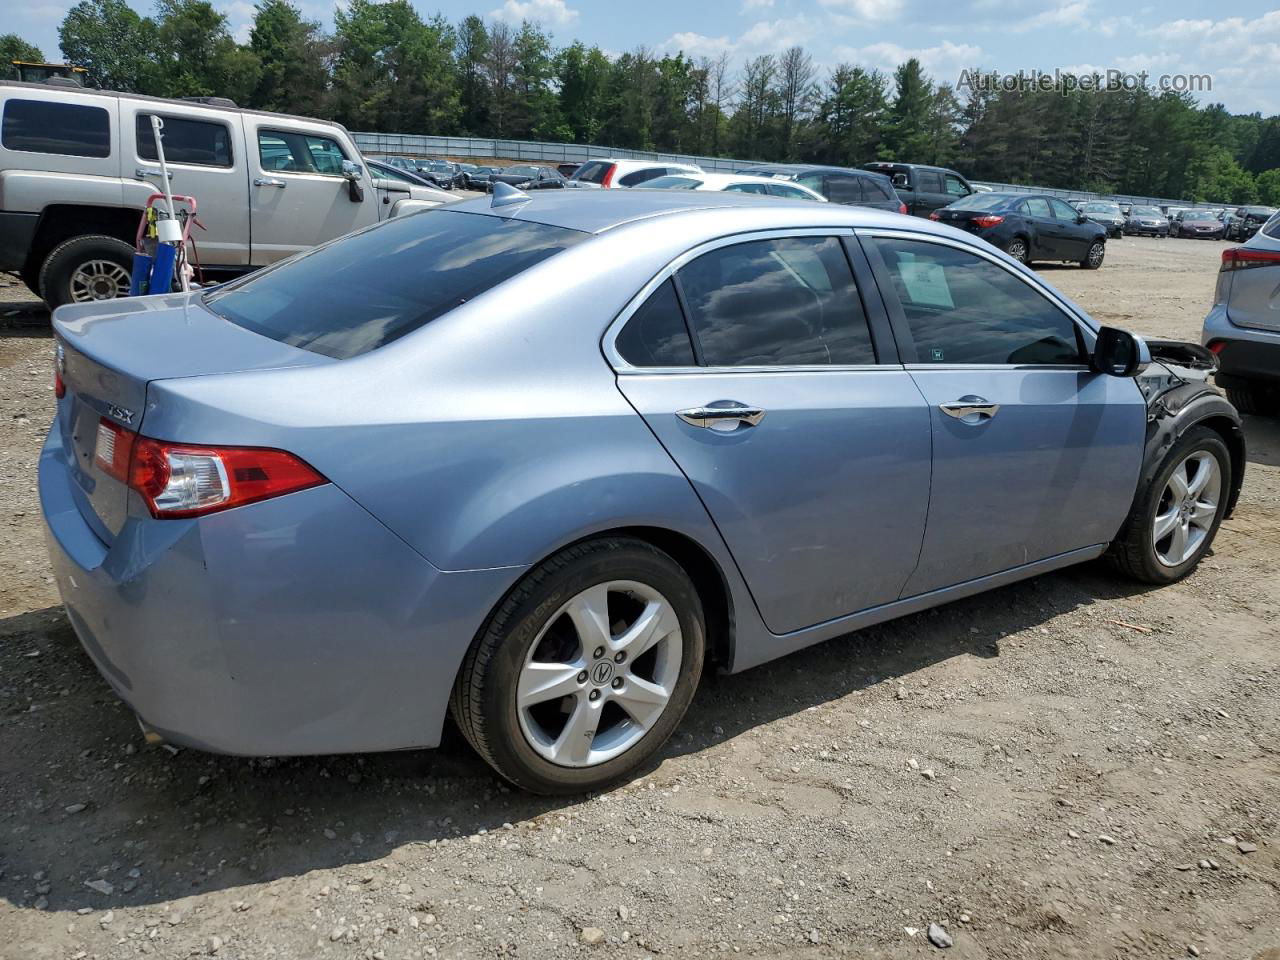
x: 356, y: 294
x: 980, y: 201
x: 594, y: 171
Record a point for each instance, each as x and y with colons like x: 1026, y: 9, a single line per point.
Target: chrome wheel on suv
x: 99, y: 280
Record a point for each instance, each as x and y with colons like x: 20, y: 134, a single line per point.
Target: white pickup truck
x: 77, y: 166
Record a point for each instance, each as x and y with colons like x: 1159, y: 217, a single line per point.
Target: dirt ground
x: 1072, y: 767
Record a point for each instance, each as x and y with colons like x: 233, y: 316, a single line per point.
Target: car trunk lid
x: 107, y: 353
x: 1253, y: 295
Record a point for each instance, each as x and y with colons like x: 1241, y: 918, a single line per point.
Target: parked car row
x: 1029, y: 227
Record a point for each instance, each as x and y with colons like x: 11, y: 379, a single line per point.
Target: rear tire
x: 1137, y: 552
x: 1019, y: 250
x: 84, y: 269
x: 519, y: 695
x: 1093, y: 259
x: 1258, y: 401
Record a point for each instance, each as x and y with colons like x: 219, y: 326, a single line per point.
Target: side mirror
x: 1081, y: 218
x: 351, y: 170
x: 1119, y: 353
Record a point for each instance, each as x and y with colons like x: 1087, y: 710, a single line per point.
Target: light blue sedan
x: 541, y: 461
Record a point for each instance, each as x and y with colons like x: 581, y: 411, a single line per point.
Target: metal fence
x: 418, y: 145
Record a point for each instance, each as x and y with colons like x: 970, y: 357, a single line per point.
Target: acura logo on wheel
x: 602, y: 673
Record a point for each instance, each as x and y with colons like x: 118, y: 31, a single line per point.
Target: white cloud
x: 873, y: 11
x: 749, y: 5
x: 536, y: 11
x: 240, y: 16
x: 697, y: 45
x: 943, y: 62
x: 1228, y: 30
x: 770, y: 36
x: 1074, y: 13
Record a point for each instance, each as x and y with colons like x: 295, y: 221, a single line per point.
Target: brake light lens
x: 608, y: 175
x: 179, y: 480
x: 1216, y: 347
x: 990, y: 220
x: 902, y: 209
x: 112, y: 449
x: 1242, y: 258
x: 932, y: 216
x: 59, y: 360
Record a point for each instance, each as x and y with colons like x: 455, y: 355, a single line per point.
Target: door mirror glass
x: 351, y: 170
x: 1119, y: 353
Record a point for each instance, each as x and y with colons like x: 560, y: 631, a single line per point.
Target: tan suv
x: 77, y: 166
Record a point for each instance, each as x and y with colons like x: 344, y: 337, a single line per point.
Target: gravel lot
x: 1072, y: 767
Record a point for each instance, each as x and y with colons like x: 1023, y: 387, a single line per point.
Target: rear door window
x: 656, y: 335
x: 745, y: 188
x: 781, y: 302
x: 345, y: 299
x: 842, y: 189
x: 44, y: 126
x: 197, y: 142
x: 962, y: 309
x: 1039, y: 207
x: 640, y: 176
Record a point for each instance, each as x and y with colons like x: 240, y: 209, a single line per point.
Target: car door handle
x: 269, y: 182
x: 970, y: 409
x: 727, y: 412
x: 142, y: 173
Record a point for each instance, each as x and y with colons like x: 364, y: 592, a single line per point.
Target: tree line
x: 386, y: 68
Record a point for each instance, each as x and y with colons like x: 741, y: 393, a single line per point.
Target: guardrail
x: 536, y: 151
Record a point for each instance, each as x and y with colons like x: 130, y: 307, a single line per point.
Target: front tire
x: 85, y: 269
x: 1093, y: 259
x: 585, y: 669
x: 1018, y: 249
x: 1173, y: 523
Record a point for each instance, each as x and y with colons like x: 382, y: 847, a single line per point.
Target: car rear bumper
x: 298, y: 625
x: 1246, y: 355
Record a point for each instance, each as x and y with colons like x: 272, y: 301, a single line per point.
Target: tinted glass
x: 876, y: 191
x: 1063, y: 210
x: 656, y: 335
x: 788, y: 191
x: 593, y: 172
x: 673, y: 183
x: 39, y: 126
x: 844, y: 189
x: 391, y: 173
x: 777, y: 302
x: 956, y: 187
x: 287, y: 152
x: 1272, y: 229
x: 981, y: 201
x: 640, y: 176
x: 746, y: 188
x: 811, y: 180
x: 1038, y: 207
x: 356, y: 294
x: 185, y: 141
x: 961, y: 308
x: 929, y: 181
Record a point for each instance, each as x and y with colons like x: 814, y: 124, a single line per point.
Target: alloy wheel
x: 1096, y: 252
x: 599, y: 674
x: 1187, y: 508
x: 1018, y: 250
x: 99, y: 280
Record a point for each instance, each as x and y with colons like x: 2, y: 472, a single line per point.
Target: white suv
x: 626, y: 173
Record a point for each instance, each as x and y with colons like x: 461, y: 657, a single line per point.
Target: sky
x: 1240, y: 52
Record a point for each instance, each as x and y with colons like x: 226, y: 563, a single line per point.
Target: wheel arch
x: 63, y: 221
x: 1173, y: 413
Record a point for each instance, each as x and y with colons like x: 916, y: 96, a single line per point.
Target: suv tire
x: 1136, y: 551
x: 535, y: 630
x: 86, y: 268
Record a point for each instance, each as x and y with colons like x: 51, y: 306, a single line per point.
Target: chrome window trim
x: 1081, y: 321
x: 623, y: 368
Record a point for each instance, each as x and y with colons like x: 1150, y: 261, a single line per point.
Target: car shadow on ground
x: 1262, y: 440
x: 186, y: 822
x: 23, y: 314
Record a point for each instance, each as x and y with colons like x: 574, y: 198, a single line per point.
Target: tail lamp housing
x: 1243, y: 258
x: 990, y: 220
x: 608, y: 175
x: 184, y: 480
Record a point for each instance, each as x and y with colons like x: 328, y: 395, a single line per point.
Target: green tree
x: 850, y: 119
x: 471, y: 53
x: 582, y: 75
x: 198, y: 56
x: 1268, y: 184
x: 908, y: 136
x: 1218, y: 178
x: 535, y: 114
x: 292, y: 52
x: 113, y: 43
x: 13, y: 47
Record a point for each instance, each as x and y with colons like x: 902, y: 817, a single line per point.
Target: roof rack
x: 212, y: 101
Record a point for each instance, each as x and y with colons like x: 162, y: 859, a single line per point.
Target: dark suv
x: 923, y: 189
x: 838, y: 184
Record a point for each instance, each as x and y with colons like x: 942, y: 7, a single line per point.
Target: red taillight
x: 1241, y: 258
x: 180, y: 480
x: 1216, y: 346
x: 59, y: 388
x: 608, y: 175
x: 932, y: 216
x: 990, y: 220
x: 902, y: 209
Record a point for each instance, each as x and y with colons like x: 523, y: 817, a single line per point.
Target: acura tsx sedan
x: 540, y: 461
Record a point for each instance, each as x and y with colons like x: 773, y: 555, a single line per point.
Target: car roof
x: 597, y: 211
x: 171, y: 101
x: 764, y: 168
